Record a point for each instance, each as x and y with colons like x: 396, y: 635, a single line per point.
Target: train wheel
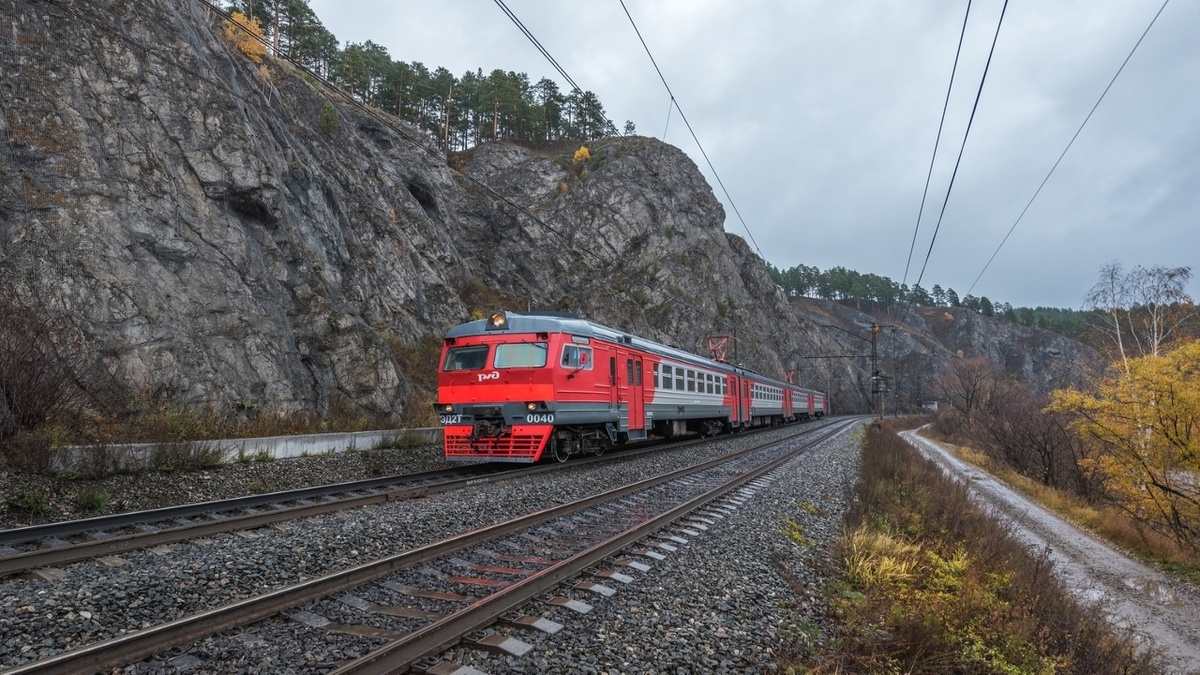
x: 560, y: 450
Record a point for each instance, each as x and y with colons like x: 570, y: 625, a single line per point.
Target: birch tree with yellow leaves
x: 1145, y: 422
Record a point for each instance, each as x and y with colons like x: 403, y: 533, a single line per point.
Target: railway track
x: 39, y: 546
x: 502, y: 567
x: 42, y: 547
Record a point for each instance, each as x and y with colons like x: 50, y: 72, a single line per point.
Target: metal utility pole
x: 878, y: 381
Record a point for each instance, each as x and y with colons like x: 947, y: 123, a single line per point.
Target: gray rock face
x: 183, y: 204
x: 921, y: 350
x: 216, y: 240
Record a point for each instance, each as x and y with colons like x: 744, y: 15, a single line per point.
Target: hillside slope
x: 229, y: 233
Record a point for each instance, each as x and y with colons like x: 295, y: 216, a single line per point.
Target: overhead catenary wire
x: 566, y: 76
x: 937, y: 142
x: 692, y: 131
x: 962, y: 147
x: 1068, y: 147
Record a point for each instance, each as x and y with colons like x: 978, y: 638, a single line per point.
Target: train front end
x: 496, y: 397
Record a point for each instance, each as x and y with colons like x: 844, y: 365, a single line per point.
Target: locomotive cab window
x: 521, y: 355
x: 576, y: 357
x: 466, y: 358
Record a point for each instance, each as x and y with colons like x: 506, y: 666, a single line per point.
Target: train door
x: 636, y: 398
x: 614, y: 384
x: 731, y: 390
x: 747, y: 413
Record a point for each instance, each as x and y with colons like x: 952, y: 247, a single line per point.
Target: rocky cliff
x: 230, y: 232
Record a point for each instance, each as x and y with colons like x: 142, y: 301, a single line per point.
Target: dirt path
x: 1165, y: 611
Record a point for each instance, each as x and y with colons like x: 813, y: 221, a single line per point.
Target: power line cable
x: 574, y: 87
x: 961, y: 149
x: 388, y: 121
x: 1069, y: 144
x: 692, y: 131
x: 562, y: 71
x: 936, y: 143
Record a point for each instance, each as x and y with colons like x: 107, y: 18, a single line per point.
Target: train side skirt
x: 519, y: 443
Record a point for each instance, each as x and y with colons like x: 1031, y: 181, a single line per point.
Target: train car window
x: 691, y: 380
x: 612, y: 370
x: 654, y: 372
x: 628, y: 371
x: 679, y: 378
x: 637, y: 379
x: 667, y: 377
x: 466, y: 358
x: 576, y: 357
x: 521, y: 355
x: 708, y: 379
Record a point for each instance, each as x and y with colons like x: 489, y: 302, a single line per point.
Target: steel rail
x: 220, y: 523
x: 429, y: 482
x: 399, y: 655
x: 138, y: 645
x: 69, y: 527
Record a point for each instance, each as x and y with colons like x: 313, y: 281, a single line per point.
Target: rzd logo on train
x: 494, y: 375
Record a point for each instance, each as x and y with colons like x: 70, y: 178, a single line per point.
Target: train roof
x: 571, y: 324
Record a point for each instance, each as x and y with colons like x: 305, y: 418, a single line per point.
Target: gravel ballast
x: 750, y: 595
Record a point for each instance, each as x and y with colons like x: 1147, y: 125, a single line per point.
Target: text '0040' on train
x: 521, y: 387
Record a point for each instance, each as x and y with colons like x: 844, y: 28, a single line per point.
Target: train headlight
x: 497, y: 321
x: 449, y: 407
x: 531, y: 406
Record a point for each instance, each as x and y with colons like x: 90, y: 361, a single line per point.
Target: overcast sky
x: 820, y: 118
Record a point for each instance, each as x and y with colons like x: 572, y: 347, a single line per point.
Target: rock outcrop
x: 231, y: 233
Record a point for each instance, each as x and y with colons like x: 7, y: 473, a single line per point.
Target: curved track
x: 569, y: 538
x: 45, y: 546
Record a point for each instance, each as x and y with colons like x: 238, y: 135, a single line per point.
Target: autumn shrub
x: 1143, y: 423
x: 246, y: 33
x: 52, y: 385
x: 930, y: 583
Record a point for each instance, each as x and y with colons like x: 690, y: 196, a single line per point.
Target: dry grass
x: 931, y: 584
x: 1105, y: 521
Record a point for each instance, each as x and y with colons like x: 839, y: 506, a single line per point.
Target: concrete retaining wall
x: 134, y: 456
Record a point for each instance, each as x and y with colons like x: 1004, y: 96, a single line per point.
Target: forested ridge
x: 871, y: 291
x: 458, y: 112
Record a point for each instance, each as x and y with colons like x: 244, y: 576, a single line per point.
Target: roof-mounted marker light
x: 497, y: 321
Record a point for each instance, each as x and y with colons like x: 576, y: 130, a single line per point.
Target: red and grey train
x: 523, y: 387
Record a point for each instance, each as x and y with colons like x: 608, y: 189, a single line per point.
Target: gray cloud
x: 821, y: 116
